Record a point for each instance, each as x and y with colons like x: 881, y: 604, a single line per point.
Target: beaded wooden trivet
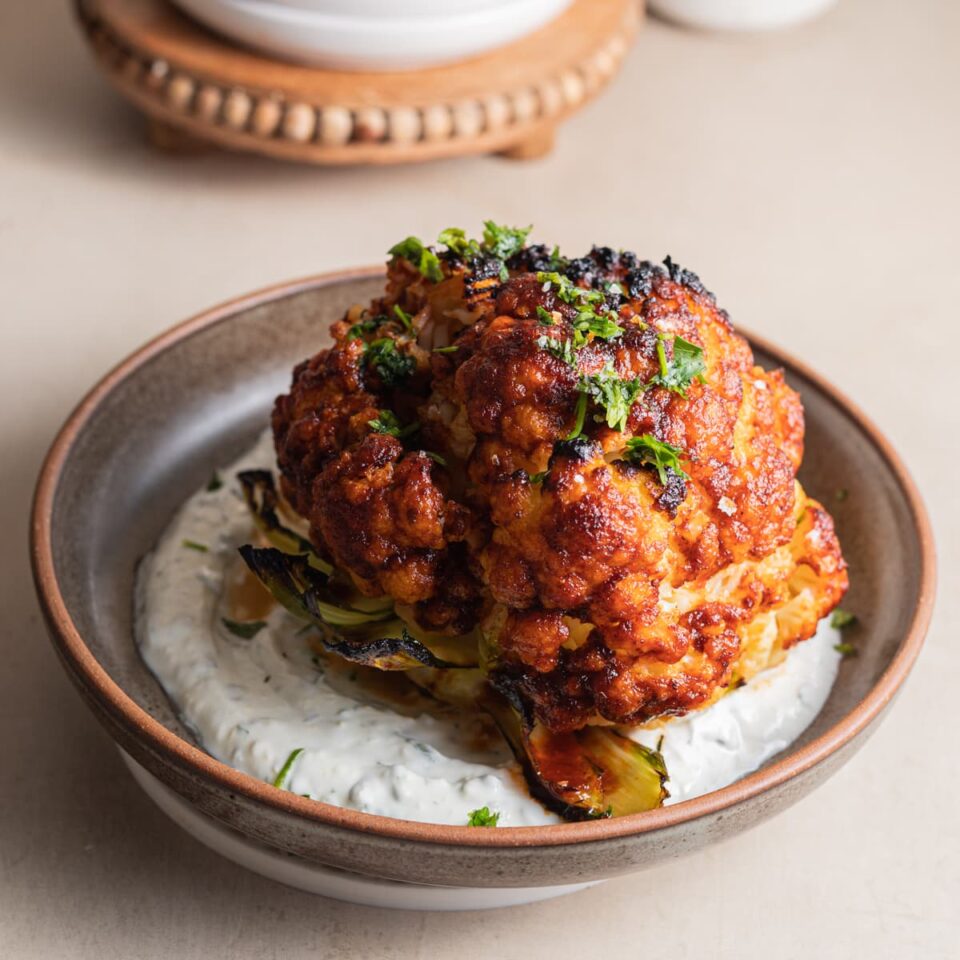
x: 197, y: 88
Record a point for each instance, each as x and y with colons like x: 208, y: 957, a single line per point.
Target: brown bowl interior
x: 153, y: 430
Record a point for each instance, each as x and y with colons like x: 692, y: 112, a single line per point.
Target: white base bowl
x: 329, y: 881
x: 376, y: 36
x: 740, y: 14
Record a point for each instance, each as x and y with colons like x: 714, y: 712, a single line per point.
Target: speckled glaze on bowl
x: 150, y: 433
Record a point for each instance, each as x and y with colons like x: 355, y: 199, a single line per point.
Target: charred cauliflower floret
x: 579, y: 458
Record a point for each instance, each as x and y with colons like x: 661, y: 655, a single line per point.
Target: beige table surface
x: 809, y: 176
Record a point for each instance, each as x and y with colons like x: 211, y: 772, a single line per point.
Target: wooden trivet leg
x: 534, y: 147
x: 171, y: 139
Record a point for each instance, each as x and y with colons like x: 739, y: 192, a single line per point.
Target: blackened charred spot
x: 484, y: 267
x: 641, y: 278
x: 613, y: 297
x: 674, y: 492
x: 483, y: 280
x: 671, y: 495
x: 453, y: 258
x: 628, y: 260
x: 627, y: 468
x: 583, y: 268
x: 605, y: 257
x: 580, y: 448
x: 535, y: 259
x: 684, y: 276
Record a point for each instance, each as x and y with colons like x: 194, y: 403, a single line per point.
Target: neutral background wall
x: 810, y: 177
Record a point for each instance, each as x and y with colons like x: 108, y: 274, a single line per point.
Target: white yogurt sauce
x: 251, y: 702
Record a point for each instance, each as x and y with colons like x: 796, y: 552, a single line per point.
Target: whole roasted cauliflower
x: 577, y: 458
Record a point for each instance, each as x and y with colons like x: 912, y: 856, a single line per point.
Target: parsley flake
x: 561, y: 349
x: 453, y: 348
x: 214, y: 483
x: 435, y: 457
x: 504, y: 242
x: 482, y: 817
x: 686, y: 365
x: 193, y: 545
x: 538, y: 478
x: 651, y: 452
x: 423, y: 258
x: 593, y: 317
x: 457, y: 242
x: 392, y: 365
x: 388, y: 422
x: 362, y: 327
x: 406, y: 321
x: 846, y: 649
x: 580, y: 415
x: 283, y: 777
x: 613, y: 395
x: 566, y: 289
x: 841, y: 619
x: 602, y: 325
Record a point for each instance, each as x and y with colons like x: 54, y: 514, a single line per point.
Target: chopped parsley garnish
x: 214, y: 483
x: 842, y: 494
x: 482, y: 817
x: 845, y: 649
x: 537, y: 478
x: 841, y: 619
x: 193, y: 545
x: 566, y: 289
x: 651, y: 452
x: 457, y: 242
x: 580, y: 414
x: 499, y: 242
x: 281, y: 780
x: 561, y: 349
x: 545, y: 317
x: 592, y: 318
x: 612, y: 394
x: 602, y: 325
x: 392, y: 365
x: 245, y: 629
x: 423, y: 258
x: 362, y: 327
x: 686, y: 365
x: 453, y: 348
x: 406, y: 321
x: 504, y: 242
x: 435, y: 457
x: 389, y: 423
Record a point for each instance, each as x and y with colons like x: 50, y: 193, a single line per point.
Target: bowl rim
x: 139, y: 724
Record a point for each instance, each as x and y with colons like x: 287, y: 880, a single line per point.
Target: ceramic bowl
x: 374, y: 36
x: 151, y: 431
x: 740, y: 14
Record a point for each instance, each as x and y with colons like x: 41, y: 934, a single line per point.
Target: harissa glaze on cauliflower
x: 578, y: 456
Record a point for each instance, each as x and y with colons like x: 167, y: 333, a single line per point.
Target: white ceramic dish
x: 329, y: 881
x: 388, y: 9
x: 375, y: 37
x: 740, y: 14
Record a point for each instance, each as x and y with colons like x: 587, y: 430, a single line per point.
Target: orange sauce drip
x: 245, y: 597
